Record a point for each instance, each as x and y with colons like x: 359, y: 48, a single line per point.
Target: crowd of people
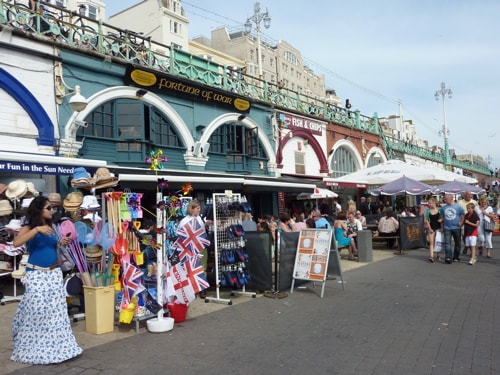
x: 460, y: 223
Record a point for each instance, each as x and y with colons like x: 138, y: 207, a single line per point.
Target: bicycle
x: 74, y: 31
x: 19, y: 15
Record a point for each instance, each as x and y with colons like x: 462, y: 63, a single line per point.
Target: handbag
x: 489, y: 226
x: 439, y: 242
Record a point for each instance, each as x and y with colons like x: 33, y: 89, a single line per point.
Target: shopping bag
x: 439, y: 242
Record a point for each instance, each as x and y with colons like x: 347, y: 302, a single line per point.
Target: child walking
x: 471, y: 224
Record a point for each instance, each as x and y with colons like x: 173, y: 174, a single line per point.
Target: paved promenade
x: 397, y: 315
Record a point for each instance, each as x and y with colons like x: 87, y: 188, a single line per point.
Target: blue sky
x: 378, y: 52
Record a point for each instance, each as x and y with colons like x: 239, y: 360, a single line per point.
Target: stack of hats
x: 81, y: 178
x: 102, y: 179
x: 73, y: 201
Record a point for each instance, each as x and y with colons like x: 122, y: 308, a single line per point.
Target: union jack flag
x: 181, y: 284
x: 131, y: 279
x: 196, y: 275
x: 192, y: 238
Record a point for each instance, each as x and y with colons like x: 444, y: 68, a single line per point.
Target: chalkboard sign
x: 313, y: 251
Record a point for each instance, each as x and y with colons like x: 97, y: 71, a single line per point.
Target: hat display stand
x: 17, y: 271
x: 12, y: 209
x: 16, y: 274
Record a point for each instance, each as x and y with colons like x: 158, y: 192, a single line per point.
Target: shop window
x: 300, y: 167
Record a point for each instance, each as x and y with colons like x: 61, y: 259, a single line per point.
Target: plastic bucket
x: 178, y: 311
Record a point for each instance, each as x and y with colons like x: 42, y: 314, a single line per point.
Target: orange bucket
x: 178, y: 311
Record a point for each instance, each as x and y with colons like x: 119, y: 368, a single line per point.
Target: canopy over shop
x: 389, y: 171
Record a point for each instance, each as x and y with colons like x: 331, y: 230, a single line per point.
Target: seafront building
x: 76, y: 91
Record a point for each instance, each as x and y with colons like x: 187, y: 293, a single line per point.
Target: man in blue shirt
x: 320, y: 221
x: 453, y: 214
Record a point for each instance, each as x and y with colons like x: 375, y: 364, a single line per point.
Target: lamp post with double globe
x: 257, y: 18
x: 444, y: 131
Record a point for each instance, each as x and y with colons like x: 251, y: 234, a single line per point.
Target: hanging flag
x: 192, y: 239
x: 131, y: 279
x: 168, y: 284
x: 180, y: 282
x: 196, y: 274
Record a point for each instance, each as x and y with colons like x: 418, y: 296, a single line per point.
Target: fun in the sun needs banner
x: 41, y: 168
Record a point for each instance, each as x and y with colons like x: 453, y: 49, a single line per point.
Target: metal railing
x: 392, y: 144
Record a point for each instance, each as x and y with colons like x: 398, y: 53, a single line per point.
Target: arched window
x: 236, y: 139
x: 133, y: 127
x: 343, y: 162
x: 373, y: 160
x: 239, y: 144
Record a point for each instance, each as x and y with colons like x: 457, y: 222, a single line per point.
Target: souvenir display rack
x: 229, y: 246
x: 121, y: 210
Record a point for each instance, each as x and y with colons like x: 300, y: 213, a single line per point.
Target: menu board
x: 313, y: 250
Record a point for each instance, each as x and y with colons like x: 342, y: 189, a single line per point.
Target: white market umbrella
x: 318, y: 193
x: 391, y: 170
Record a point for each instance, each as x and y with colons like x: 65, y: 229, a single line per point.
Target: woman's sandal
x: 431, y: 260
x: 438, y: 258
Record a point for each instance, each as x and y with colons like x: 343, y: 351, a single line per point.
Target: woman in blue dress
x: 340, y: 231
x: 41, y: 329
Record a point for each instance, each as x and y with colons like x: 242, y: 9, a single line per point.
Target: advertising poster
x: 313, y: 250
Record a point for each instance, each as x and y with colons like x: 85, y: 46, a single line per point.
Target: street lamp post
x: 257, y: 18
x: 443, y: 92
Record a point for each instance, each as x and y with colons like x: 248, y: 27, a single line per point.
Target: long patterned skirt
x: 41, y: 329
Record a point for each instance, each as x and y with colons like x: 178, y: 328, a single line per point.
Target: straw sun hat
x: 16, y: 189
x: 73, y: 201
x: 55, y: 199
